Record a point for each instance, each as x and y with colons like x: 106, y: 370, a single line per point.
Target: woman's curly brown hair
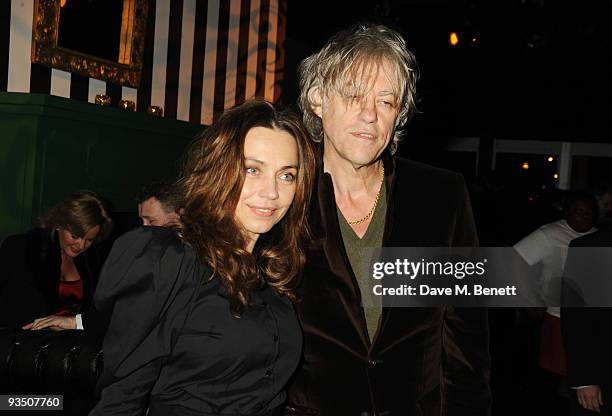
x: 212, y: 181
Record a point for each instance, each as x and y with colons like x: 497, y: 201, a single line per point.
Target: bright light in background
x: 550, y: 158
x: 453, y: 39
x: 63, y: 3
x: 525, y: 165
x: 556, y: 176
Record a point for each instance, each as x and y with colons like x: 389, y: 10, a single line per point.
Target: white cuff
x: 79, y: 322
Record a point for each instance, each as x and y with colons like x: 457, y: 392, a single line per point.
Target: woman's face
x: 72, y: 246
x: 271, y: 167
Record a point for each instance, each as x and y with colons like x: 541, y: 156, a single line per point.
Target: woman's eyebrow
x: 289, y: 167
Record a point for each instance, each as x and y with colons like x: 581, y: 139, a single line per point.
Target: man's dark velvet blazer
x: 422, y: 361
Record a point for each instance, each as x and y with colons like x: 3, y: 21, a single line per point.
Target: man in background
x: 586, y: 330
x: 157, y: 204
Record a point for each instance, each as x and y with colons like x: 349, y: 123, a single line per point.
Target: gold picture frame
x: 126, y: 71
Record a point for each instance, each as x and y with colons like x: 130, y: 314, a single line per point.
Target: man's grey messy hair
x: 345, y: 64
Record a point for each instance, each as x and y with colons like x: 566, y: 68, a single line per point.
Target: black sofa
x: 47, y: 362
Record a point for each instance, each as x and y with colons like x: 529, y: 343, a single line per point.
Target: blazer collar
x: 324, y: 211
x: 325, y: 218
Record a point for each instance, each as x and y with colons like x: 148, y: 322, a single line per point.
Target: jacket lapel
x: 337, y: 259
x: 330, y: 238
x: 390, y: 217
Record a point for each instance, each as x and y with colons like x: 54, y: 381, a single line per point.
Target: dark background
x: 534, y: 69
x: 523, y: 70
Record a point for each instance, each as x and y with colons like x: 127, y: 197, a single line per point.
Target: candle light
x: 155, y: 110
x: 127, y: 105
x: 103, y: 99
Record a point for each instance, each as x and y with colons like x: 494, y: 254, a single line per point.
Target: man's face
x: 152, y: 212
x: 357, y: 129
x: 581, y: 216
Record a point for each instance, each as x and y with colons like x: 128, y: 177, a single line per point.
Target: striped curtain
x: 200, y: 57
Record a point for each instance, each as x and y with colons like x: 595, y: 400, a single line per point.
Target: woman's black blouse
x: 173, y: 340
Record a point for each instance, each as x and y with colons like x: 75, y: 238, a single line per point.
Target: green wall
x: 51, y: 146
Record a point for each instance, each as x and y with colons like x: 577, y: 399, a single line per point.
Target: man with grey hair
x: 360, y: 358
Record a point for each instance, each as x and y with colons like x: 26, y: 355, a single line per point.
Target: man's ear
x: 316, y: 101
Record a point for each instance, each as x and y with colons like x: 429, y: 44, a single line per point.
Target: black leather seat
x: 46, y: 362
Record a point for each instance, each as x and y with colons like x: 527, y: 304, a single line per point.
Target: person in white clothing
x: 547, y: 248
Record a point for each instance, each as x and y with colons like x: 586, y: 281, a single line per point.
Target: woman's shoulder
x: 16, y: 242
x: 161, y: 246
x: 31, y: 244
x: 151, y: 258
x: 150, y: 238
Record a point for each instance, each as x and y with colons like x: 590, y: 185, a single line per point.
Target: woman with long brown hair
x: 203, y: 321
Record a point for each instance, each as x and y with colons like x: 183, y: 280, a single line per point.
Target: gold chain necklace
x: 371, y: 211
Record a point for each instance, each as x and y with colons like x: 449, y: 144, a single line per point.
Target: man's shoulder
x: 549, y: 234
x: 601, y: 238
x: 151, y: 233
x: 144, y: 252
x: 25, y: 242
x: 151, y: 240
x: 554, y: 226
x: 426, y: 174
x: 408, y: 166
